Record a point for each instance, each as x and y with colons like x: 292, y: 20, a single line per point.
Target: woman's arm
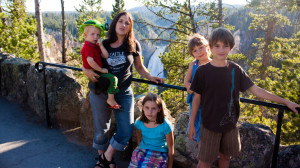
x: 90, y: 74
x: 138, y: 137
x: 262, y: 93
x: 188, y: 77
x: 141, y: 69
x: 170, y: 144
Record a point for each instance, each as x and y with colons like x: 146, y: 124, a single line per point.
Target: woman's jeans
x: 102, y: 120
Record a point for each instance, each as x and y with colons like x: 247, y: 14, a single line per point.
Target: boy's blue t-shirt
x: 154, y: 138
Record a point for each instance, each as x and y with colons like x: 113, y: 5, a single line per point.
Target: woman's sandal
x: 103, y: 162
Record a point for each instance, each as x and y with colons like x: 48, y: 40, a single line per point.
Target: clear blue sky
x: 55, y: 5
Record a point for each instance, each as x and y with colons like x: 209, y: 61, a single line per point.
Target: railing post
x: 277, y: 139
x: 46, y: 98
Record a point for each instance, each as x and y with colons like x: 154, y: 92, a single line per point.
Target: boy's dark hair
x: 221, y: 34
x: 196, y: 40
x: 161, y: 105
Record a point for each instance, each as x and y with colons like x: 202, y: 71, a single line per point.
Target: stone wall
x: 20, y: 82
x: 69, y: 108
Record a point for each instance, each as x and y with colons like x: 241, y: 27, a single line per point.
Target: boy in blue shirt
x: 216, y: 86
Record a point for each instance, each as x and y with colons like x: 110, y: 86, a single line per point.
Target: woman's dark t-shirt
x: 119, y: 63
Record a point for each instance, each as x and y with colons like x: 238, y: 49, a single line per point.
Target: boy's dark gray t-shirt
x: 219, y: 99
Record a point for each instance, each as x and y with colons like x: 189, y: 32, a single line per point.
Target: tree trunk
x: 40, y: 33
x: 64, y: 49
x: 191, y: 14
x: 220, y: 14
x: 267, y: 54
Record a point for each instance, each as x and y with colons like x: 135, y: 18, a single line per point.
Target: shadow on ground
x: 26, y: 142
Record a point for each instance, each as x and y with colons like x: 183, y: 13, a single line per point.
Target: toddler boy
x: 91, y: 53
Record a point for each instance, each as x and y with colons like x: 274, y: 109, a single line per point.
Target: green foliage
x: 261, y: 23
x: 52, y: 21
x: 117, y: 8
x: 140, y: 89
x: 283, y: 80
x: 176, y: 61
x: 182, y: 20
x: 240, y: 59
x: 80, y: 77
x: 18, y: 31
x: 280, y: 75
x: 90, y: 9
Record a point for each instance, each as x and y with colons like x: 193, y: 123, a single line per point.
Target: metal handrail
x: 40, y: 67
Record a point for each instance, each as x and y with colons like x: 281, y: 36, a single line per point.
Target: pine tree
x: 2, y: 16
x: 183, y: 19
x: 89, y: 9
x: 18, y: 32
x: 276, y: 66
x: 267, y: 21
x: 1, y: 12
x: 117, y: 8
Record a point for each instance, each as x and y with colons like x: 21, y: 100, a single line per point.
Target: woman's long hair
x: 129, y: 39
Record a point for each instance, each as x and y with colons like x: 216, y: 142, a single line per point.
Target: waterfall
x: 155, y: 65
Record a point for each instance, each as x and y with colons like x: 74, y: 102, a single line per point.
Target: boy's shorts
x: 211, y: 143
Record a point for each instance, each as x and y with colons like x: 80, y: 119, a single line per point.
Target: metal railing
x: 40, y: 67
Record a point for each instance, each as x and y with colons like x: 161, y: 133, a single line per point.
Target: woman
x: 124, y: 51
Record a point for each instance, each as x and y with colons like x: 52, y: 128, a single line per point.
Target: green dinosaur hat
x: 97, y: 24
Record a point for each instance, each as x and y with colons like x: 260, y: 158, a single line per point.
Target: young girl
x: 154, y: 136
x: 199, y: 49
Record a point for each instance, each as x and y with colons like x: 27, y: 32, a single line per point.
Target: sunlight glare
x: 4, y: 147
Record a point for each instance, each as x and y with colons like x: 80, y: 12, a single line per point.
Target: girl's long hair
x: 129, y: 40
x: 161, y: 105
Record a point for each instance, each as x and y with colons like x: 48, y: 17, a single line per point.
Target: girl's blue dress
x: 190, y: 101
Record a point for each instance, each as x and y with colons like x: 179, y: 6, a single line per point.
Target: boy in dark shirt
x: 216, y: 86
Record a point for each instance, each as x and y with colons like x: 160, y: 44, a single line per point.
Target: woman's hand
x: 156, y: 79
x: 90, y: 74
x: 141, y: 69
